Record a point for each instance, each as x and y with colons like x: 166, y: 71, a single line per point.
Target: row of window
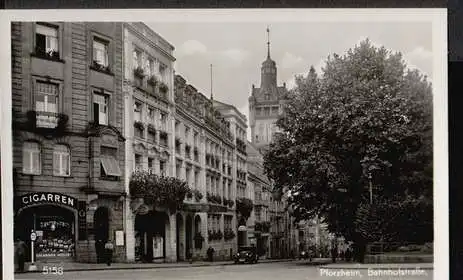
x: 266, y: 132
x: 47, y: 95
x: 213, y: 185
x: 150, y: 65
x: 32, y: 160
x: 213, y: 222
x: 267, y: 111
x: 47, y: 43
x: 138, y: 159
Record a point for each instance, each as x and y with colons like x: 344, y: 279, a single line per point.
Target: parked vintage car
x: 246, y: 254
x: 305, y: 255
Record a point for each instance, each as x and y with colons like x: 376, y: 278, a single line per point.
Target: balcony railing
x: 47, y: 120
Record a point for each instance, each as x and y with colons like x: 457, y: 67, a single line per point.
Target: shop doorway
x: 198, y: 237
x: 150, y: 236
x: 101, y: 226
x: 189, y: 236
x: 55, y: 229
x: 179, y: 235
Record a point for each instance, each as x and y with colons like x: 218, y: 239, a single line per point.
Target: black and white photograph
x: 250, y: 144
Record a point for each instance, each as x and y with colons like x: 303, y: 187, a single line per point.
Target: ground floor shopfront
x: 69, y: 227
x: 155, y: 234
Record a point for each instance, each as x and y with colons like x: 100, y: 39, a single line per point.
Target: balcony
x: 196, y: 154
x: 241, y: 146
x: 188, y: 151
x: 47, y: 121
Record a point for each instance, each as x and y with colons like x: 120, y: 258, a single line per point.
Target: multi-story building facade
x: 205, y: 155
x: 68, y: 145
x: 258, y: 182
x: 244, y: 194
x: 149, y: 132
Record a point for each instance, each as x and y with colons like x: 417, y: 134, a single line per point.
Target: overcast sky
x: 237, y: 50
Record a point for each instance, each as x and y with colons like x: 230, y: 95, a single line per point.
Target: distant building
x: 261, y: 215
x: 238, y: 127
x: 266, y: 105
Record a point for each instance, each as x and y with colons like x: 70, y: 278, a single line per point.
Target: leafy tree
x: 366, y: 120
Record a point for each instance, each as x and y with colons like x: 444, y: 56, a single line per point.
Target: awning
x: 111, y: 166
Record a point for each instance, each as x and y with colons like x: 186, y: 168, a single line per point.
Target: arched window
x: 61, y: 161
x: 32, y: 163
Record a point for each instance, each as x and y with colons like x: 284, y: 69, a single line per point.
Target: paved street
x: 280, y: 271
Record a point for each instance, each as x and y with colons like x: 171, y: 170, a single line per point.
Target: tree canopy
x: 366, y: 120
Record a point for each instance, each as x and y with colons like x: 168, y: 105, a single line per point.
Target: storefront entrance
x: 55, y: 228
x: 150, y: 236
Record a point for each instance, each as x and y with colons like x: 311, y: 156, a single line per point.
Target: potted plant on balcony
x: 139, y: 125
x: 163, y: 88
x: 139, y: 72
x: 100, y: 67
x: 229, y: 234
x: 152, y: 81
x: 151, y: 128
x: 219, y: 235
x: 210, y: 235
x: 198, y: 195
x: 189, y: 194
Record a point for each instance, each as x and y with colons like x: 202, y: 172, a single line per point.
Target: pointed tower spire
x: 268, y: 42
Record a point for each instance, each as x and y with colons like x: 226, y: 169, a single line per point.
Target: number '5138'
x: 53, y: 270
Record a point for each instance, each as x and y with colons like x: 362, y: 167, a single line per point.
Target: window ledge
x: 110, y: 179
x: 62, y: 176
x: 109, y: 72
x: 47, y: 57
x: 30, y: 174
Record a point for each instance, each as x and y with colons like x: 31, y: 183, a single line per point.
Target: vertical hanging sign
x: 82, y: 220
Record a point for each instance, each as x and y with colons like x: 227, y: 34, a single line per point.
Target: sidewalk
x: 75, y: 266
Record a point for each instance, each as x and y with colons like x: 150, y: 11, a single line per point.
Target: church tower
x: 265, y: 102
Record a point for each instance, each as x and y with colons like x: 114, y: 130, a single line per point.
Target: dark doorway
x: 180, y: 245
x: 189, y: 236
x: 101, y: 226
x: 150, y: 236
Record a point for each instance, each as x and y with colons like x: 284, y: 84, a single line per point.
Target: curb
x: 153, y: 267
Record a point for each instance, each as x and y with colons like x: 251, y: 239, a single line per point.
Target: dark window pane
x: 40, y: 42
x: 96, y: 111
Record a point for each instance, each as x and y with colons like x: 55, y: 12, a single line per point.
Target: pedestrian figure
x: 20, y: 252
x: 210, y: 253
x: 190, y: 255
x: 334, y: 254
x: 99, y: 247
x: 109, y: 247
